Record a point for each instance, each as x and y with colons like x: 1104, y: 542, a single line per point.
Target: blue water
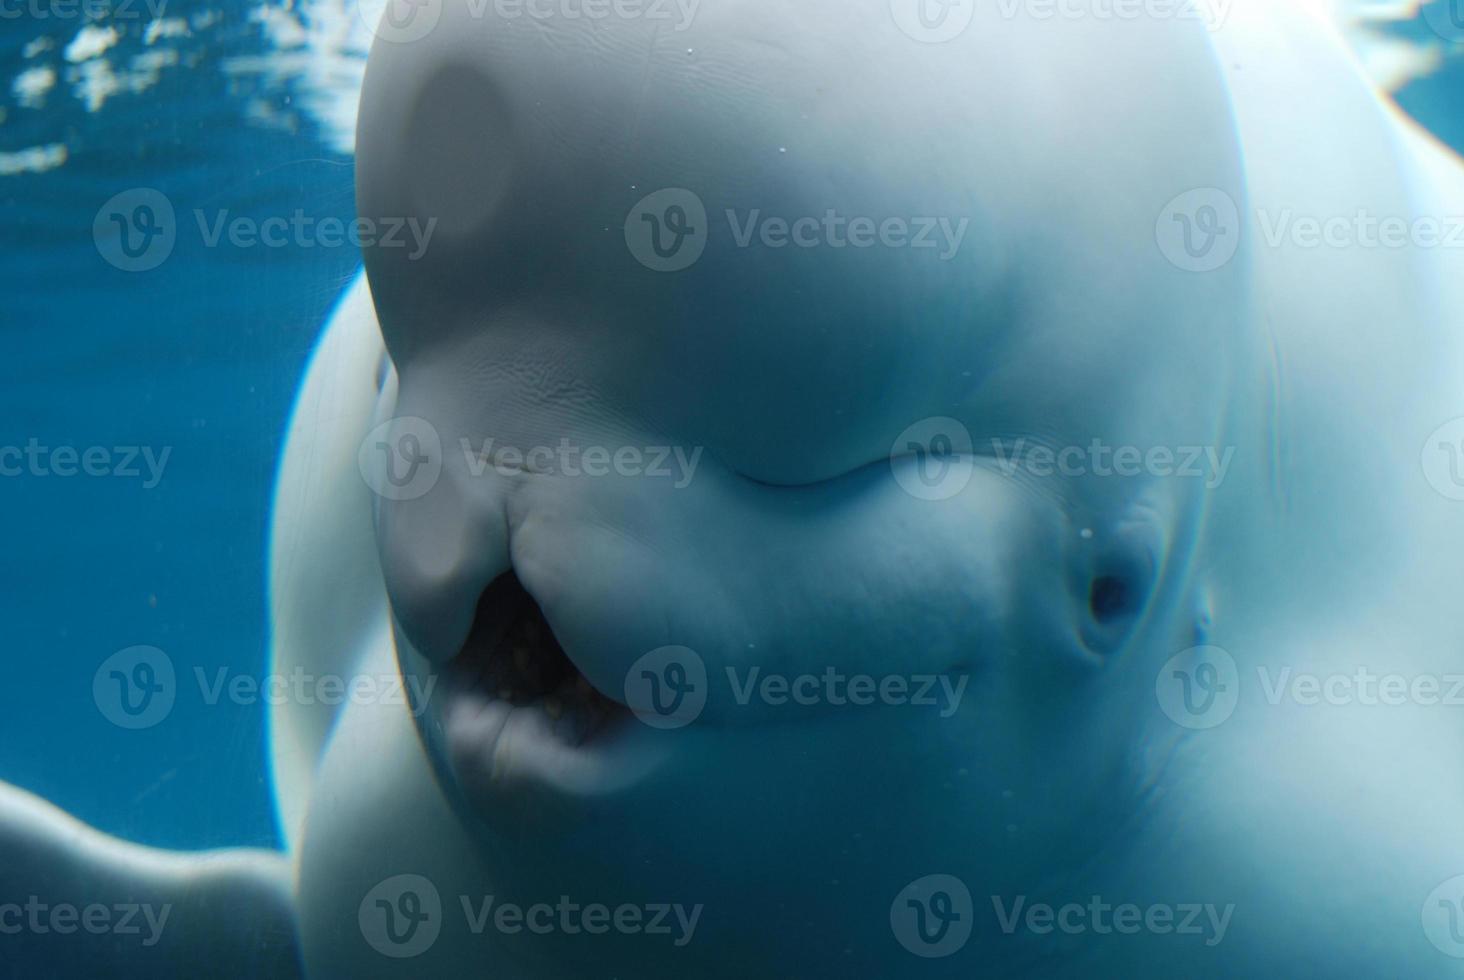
x: 199, y: 357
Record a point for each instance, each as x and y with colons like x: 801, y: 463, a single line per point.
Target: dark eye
x: 1110, y: 598
x: 1121, y: 577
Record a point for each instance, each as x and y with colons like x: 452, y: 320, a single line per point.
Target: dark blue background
x: 202, y: 354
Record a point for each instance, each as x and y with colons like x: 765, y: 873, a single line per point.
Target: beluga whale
x: 856, y: 488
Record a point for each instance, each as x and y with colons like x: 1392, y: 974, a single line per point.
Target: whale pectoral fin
x: 75, y: 902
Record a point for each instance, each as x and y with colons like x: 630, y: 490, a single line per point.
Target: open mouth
x: 512, y: 663
x: 517, y: 712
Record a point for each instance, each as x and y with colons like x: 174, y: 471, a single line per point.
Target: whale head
x: 782, y: 377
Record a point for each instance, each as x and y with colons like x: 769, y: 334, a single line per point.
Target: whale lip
x: 515, y: 711
x: 494, y: 749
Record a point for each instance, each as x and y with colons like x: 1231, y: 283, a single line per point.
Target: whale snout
x: 587, y: 625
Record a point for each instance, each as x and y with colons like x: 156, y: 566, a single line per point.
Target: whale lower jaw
x: 496, y: 748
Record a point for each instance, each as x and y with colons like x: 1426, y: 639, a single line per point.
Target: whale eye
x: 1121, y: 576
x: 1110, y: 598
